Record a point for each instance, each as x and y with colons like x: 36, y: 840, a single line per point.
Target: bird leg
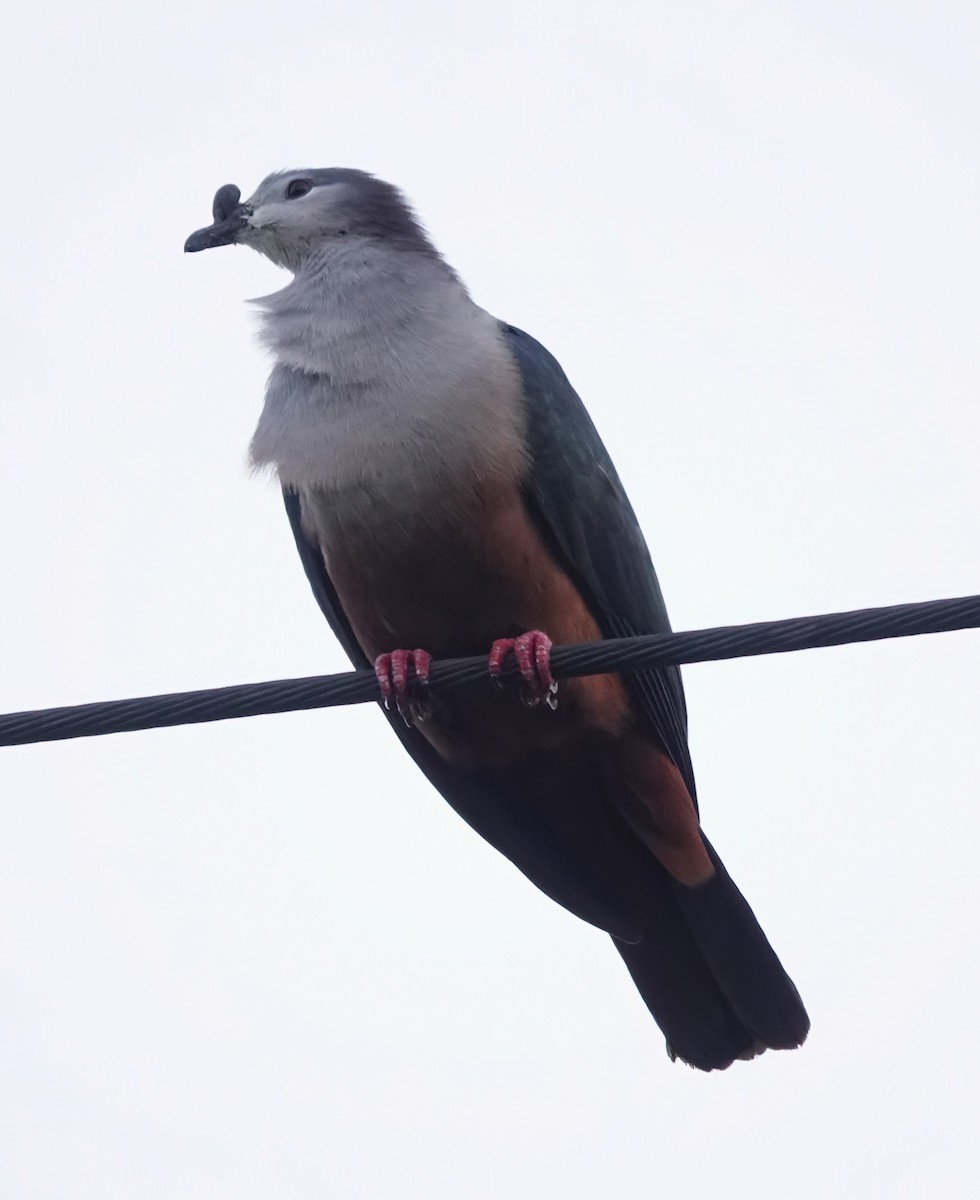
x: 403, y: 676
x: 533, y: 654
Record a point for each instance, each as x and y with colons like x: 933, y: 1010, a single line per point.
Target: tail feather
x: 710, y: 978
x: 700, y: 1025
x: 742, y: 961
x: 700, y: 961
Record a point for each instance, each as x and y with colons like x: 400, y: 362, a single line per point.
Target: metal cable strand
x: 623, y: 654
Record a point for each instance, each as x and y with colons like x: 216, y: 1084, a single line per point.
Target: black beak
x: 230, y: 217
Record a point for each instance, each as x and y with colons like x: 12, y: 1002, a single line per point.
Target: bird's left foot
x: 403, y: 676
x: 533, y: 653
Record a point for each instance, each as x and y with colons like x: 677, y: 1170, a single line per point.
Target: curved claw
x: 403, y: 677
x: 532, y: 651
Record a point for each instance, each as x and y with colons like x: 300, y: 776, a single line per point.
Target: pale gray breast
x: 394, y: 399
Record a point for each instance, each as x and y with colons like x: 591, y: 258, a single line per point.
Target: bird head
x: 294, y: 215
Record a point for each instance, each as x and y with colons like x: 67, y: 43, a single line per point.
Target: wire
x: 596, y: 658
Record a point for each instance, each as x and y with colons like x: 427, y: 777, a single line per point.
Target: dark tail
x: 710, y: 978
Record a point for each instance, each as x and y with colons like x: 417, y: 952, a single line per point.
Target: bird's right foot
x: 403, y: 677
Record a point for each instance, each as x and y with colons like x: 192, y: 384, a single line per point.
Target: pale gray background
x: 263, y: 959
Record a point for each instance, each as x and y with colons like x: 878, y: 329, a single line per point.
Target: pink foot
x: 533, y: 653
x: 403, y: 676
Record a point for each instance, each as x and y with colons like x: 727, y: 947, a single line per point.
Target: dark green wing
x: 579, y: 502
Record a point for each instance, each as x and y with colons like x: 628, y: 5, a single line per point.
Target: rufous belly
x: 453, y: 590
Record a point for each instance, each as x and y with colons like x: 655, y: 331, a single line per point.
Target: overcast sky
x: 233, y: 966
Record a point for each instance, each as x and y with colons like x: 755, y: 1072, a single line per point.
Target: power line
x: 596, y: 658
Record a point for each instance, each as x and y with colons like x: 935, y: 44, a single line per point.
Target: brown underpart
x: 456, y: 589
x: 489, y: 576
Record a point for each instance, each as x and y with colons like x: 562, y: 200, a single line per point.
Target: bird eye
x: 297, y: 188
